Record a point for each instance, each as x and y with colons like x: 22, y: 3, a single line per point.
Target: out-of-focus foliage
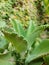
x: 18, y: 9
x: 7, y: 59
x: 3, y: 43
x: 42, y: 7
x: 46, y: 4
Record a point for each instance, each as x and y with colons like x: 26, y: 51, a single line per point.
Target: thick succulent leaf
x: 18, y: 27
x: 36, y: 63
x: 18, y: 42
x: 7, y: 59
x: 36, y: 33
x: 32, y: 37
x: 3, y: 43
x: 46, y: 59
x: 31, y: 27
x: 41, y: 50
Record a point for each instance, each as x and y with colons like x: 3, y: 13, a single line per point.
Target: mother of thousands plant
x: 28, y: 51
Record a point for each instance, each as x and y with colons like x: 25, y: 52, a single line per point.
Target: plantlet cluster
x: 20, y: 45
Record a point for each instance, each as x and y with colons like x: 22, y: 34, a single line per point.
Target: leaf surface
x: 18, y: 42
x: 6, y: 59
x: 41, y: 50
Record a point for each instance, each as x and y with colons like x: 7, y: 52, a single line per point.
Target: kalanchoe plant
x: 27, y: 50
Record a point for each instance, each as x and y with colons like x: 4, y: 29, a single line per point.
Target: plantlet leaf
x: 34, y: 34
x: 31, y: 27
x: 36, y: 63
x: 18, y: 42
x: 3, y: 43
x: 41, y: 50
x: 18, y: 27
x: 6, y: 59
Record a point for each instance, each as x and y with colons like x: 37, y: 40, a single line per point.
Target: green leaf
x: 47, y: 11
x: 41, y: 50
x: 36, y: 33
x: 2, y: 24
x: 18, y: 42
x: 3, y: 43
x: 31, y: 28
x: 18, y: 27
x: 46, y: 2
x: 32, y: 37
x: 6, y: 59
x: 46, y: 59
x: 36, y: 63
x: 8, y: 29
